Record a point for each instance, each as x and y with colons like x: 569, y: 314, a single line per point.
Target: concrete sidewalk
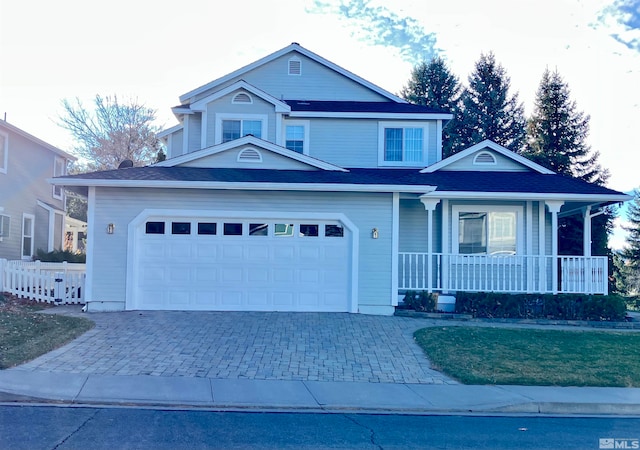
x: 247, y: 394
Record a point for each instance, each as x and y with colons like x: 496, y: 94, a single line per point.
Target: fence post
x: 59, y: 287
x: 3, y: 268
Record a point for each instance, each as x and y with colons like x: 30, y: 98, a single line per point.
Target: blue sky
x: 157, y: 50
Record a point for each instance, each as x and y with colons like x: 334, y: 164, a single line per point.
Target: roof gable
x: 505, y: 160
x: 293, y: 48
x: 6, y: 125
x: 259, y: 154
x: 201, y: 104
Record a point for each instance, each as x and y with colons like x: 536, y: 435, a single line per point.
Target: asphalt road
x: 51, y: 427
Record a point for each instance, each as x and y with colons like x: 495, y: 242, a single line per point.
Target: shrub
x: 421, y: 301
x: 541, y: 306
x: 61, y: 256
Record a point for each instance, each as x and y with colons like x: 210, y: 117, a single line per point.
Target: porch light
x: 111, y: 228
x: 374, y: 233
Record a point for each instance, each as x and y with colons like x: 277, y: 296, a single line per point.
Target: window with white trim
x: 402, y: 144
x: 4, y: 152
x: 28, y: 227
x: 296, y: 136
x: 59, y: 169
x: 234, y: 126
x: 5, y: 224
x: 486, y: 230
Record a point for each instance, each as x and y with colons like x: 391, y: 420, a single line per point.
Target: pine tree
x: 556, y: 139
x: 433, y: 84
x: 488, y: 110
x: 630, y: 254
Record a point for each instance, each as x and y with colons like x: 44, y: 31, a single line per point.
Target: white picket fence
x: 59, y: 283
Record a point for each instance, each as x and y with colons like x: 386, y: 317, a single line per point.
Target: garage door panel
x: 279, y: 272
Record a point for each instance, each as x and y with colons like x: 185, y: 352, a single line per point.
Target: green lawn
x: 25, y: 334
x: 487, y: 355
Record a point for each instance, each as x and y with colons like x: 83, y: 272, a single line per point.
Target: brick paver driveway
x: 281, y: 346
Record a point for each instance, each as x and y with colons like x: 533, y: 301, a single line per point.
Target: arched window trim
x: 485, y: 159
x: 236, y: 100
x: 249, y: 155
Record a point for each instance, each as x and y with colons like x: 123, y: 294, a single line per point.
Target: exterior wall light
x: 374, y: 233
x: 111, y: 228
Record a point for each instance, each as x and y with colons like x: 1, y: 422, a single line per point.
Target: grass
x: 26, y: 334
x: 487, y: 355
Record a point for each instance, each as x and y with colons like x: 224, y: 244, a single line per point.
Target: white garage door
x: 242, y: 265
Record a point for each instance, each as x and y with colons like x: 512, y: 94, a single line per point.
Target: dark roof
x: 498, y: 182
x: 361, y: 107
x: 354, y: 107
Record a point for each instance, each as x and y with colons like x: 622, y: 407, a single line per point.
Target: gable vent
x: 484, y: 158
x: 242, y: 97
x: 295, y: 66
x: 250, y: 155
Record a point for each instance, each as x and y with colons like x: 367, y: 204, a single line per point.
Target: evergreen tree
x: 433, y: 84
x: 630, y: 255
x: 556, y: 139
x: 488, y: 110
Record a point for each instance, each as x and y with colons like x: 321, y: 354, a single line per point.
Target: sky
x: 153, y: 51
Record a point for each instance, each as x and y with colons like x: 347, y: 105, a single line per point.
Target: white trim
x: 58, y: 160
x: 303, y: 123
x: 369, y: 115
x: 235, y: 100
x: 244, y: 141
x: 438, y: 140
x: 294, y: 47
x: 166, y: 132
x: 482, y: 153
x: 241, y: 85
x: 134, y: 225
x: 596, y: 198
x: 204, y: 128
x: 493, y: 146
x: 455, y: 220
x: 220, y: 117
x: 185, y: 134
x: 23, y: 235
x: 383, y: 125
x: 52, y: 223
x: 5, y: 160
x: 395, y: 247
x: 529, y: 227
x: 291, y: 60
x: 249, y: 160
x: 90, y: 249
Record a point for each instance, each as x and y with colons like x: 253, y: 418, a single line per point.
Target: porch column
x: 586, y: 248
x: 430, y: 205
x: 554, y: 208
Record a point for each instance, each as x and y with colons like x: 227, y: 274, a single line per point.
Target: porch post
x: 587, y: 232
x: 430, y: 205
x: 554, y: 209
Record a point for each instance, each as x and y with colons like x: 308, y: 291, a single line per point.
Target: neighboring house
x: 292, y: 184
x: 32, y: 211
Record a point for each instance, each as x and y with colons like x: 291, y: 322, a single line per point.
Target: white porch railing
x: 44, y: 282
x: 503, y: 273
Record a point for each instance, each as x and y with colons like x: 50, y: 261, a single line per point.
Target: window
x: 5, y: 223
x: 258, y: 229
x: 27, y: 235
x: 333, y: 231
x: 295, y: 138
x: 488, y: 232
x: 283, y: 229
x: 58, y: 171
x: 180, y: 228
x: 401, y: 144
x: 232, y: 229
x: 154, y: 228
x: 235, y: 129
x: 308, y: 230
x: 4, y: 152
x: 208, y: 228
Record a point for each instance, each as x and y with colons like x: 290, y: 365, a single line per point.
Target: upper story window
x: 295, y: 66
x: 235, y: 129
x: 5, y: 226
x: 234, y: 126
x: 488, y: 230
x: 59, y: 169
x: 296, y: 136
x: 4, y: 152
x: 402, y: 144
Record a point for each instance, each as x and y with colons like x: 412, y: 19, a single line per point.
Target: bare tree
x: 112, y: 132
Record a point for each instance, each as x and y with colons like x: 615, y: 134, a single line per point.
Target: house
x: 293, y: 184
x: 32, y: 211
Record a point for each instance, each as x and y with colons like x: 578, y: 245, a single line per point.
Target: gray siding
x: 176, y: 144
x: 344, y: 142
x: 229, y: 158
x: 316, y: 82
x: 29, y: 166
x: 121, y: 206
x: 503, y: 164
x: 195, y: 131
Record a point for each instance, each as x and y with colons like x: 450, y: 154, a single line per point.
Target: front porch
x: 503, y: 273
